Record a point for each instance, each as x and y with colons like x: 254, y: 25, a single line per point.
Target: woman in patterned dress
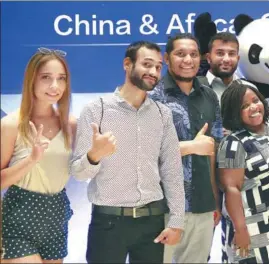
x: 243, y: 162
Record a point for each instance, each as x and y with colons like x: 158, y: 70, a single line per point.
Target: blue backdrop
x: 95, y: 36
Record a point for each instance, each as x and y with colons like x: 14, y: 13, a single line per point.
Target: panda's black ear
x: 201, y: 21
x: 204, y: 29
x: 240, y: 22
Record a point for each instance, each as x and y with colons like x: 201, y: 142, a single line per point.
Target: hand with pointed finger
x: 169, y: 236
x: 39, y: 145
x: 103, y: 145
x: 205, y: 145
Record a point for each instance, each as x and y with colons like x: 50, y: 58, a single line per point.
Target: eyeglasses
x: 47, y: 51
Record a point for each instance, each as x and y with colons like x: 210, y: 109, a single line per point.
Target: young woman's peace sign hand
x: 38, y: 144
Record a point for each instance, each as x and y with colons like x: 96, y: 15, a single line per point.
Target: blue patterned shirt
x: 168, y: 93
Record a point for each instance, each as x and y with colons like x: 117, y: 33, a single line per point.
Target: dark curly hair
x: 231, y: 103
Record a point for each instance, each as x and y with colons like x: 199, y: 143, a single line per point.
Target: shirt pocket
x: 200, y: 120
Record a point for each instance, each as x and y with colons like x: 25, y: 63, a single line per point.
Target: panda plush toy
x: 253, y: 37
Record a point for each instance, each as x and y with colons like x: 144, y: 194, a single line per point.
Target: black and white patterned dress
x: 250, y: 151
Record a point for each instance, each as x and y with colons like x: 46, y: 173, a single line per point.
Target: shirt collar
x: 171, y: 85
x: 210, y: 77
x: 120, y: 99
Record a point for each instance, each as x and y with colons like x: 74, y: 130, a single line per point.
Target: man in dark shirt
x: 196, y: 115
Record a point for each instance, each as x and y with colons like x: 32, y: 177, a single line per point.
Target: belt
x: 154, y: 208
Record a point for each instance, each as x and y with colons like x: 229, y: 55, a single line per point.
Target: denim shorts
x: 34, y: 223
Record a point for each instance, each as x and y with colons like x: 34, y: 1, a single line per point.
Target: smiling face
x: 184, y: 60
x: 223, y: 58
x: 145, y: 72
x: 252, y: 111
x: 50, y: 82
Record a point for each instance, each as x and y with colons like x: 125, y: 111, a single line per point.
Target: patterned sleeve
x: 217, y: 131
x: 171, y: 173
x: 231, y: 154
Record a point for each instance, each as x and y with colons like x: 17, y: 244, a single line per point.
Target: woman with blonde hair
x: 36, y: 144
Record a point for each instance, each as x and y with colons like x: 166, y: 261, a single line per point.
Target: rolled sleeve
x: 83, y: 170
x: 176, y: 221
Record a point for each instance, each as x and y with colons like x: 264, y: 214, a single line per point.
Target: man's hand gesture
x: 205, y: 145
x: 169, y: 236
x: 103, y: 145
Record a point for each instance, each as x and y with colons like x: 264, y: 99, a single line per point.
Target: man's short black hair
x: 231, y: 105
x: 170, y: 43
x: 224, y: 37
x: 133, y: 48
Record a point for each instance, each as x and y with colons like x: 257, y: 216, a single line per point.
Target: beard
x: 140, y: 83
x: 180, y: 78
x: 222, y: 74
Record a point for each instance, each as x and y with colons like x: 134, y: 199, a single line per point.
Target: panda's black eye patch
x: 254, y: 54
